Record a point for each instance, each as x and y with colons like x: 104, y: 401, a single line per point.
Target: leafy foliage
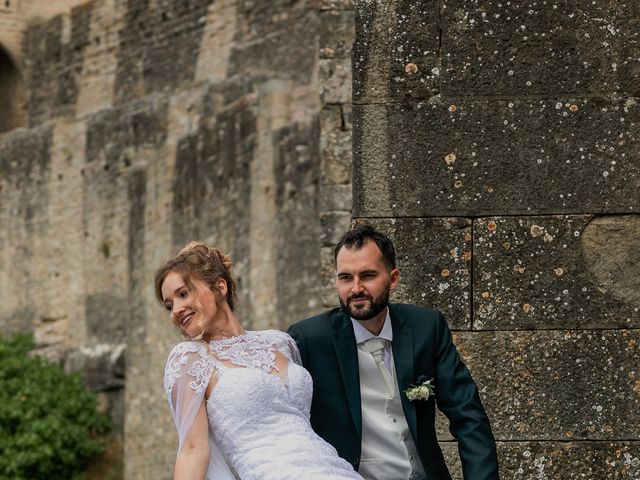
x: 49, y: 424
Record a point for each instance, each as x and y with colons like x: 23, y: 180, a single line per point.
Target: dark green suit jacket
x: 421, y: 346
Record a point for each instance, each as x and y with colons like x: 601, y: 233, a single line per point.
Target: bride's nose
x: 178, y: 308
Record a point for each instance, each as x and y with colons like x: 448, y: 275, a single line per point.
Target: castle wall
x: 497, y: 142
x: 151, y: 124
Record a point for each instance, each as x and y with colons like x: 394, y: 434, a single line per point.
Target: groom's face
x: 364, y: 281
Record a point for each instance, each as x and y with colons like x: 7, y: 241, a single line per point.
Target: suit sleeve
x: 457, y: 396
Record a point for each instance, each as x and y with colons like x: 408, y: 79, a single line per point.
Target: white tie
x: 375, y: 346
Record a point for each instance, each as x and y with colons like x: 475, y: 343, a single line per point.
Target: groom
x: 364, y: 356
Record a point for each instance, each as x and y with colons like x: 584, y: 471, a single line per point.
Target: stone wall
x: 498, y: 144
x: 151, y: 123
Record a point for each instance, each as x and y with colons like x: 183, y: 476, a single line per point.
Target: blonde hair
x: 200, y: 261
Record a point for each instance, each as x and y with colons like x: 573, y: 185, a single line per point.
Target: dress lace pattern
x: 249, y: 350
x: 199, y: 370
x: 258, y: 418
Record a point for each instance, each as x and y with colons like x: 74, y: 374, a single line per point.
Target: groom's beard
x: 376, y: 305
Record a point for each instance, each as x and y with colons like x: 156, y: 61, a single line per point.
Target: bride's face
x: 195, y: 311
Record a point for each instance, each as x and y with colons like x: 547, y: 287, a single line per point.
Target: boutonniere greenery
x: 421, y: 390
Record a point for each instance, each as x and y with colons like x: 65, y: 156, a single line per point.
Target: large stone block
x: 497, y: 157
x: 536, y: 272
x: 417, y: 49
x: 151, y: 30
x: 396, y: 54
x: 115, y: 136
x: 434, y: 258
x: 212, y: 182
x: 277, y: 39
x: 531, y: 48
x: 107, y: 317
x: 557, y: 385
x: 54, y: 53
x: 337, y: 31
x: 335, y: 78
x: 335, y: 144
x: 619, y: 460
x: 335, y: 198
x: 297, y: 176
x: 102, y: 365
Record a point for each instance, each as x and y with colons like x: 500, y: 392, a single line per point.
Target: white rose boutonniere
x: 422, y: 390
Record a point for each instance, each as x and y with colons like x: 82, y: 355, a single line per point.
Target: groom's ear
x: 395, y: 278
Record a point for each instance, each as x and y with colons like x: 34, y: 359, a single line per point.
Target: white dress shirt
x: 362, y: 335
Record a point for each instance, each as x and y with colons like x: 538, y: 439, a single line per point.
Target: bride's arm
x: 187, y: 375
x: 193, y: 458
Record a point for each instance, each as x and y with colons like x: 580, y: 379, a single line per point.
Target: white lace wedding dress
x: 258, y: 414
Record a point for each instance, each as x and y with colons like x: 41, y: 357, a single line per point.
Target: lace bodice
x: 252, y: 350
x: 258, y: 409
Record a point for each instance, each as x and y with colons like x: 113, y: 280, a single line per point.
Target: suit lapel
x: 403, y: 360
x: 344, y: 343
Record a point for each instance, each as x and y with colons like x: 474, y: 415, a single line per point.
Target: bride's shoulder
x: 187, y: 347
x: 188, y: 364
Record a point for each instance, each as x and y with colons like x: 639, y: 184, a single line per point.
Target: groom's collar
x: 362, y: 334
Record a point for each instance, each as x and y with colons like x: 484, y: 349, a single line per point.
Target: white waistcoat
x: 388, y: 451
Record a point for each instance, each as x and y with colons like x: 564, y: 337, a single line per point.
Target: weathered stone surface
x: 53, y: 58
x: 336, y: 4
x: 328, y: 292
x: 335, y: 198
x: 610, y: 251
x: 211, y: 187
x: 107, y: 317
x: 396, y: 53
x: 434, y: 258
x: 337, y: 30
x: 414, y: 50
x: 102, y: 365
x: 334, y: 224
x: 115, y: 135
x: 557, y: 385
x: 297, y: 178
x: 554, y: 460
x: 24, y: 163
x: 335, y: 75
x: 534, y: 272
x: 529, y: 48
x: 482, y: 157
x: 152, y: 29
x: 277, y: 39
x: 137, y: 275
x: 175, y: 122
x: 25, y: 166
x: 610, y: 460
x: 335, y: 146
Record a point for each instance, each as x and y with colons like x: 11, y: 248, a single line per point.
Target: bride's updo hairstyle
x: 197, y: 260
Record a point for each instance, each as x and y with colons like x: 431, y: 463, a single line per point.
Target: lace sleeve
x: 186, y: 377
x: 289, y: 347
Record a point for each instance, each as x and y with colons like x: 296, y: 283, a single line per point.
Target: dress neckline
x: 232, y: 339
x: 248, y: 350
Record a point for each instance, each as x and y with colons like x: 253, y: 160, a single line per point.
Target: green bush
x: 49, y: 424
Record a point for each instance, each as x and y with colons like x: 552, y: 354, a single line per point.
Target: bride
x: 240, y: 399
